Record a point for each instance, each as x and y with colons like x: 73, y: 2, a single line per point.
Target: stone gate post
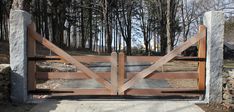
x: 19, y: 20
x: 214, y: 21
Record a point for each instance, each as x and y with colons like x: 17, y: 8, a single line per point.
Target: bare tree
x: 187, y: 17
x: 147, y: 22
x: 169, y: 38
x: 125, y: 22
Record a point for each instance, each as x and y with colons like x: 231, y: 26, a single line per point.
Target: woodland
x: 104, y: 26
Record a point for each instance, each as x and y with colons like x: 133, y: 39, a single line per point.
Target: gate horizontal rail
x: 105, y: 59
x: 106, y: 75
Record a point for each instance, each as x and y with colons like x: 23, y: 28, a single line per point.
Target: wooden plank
x: 68, y: 75
x: 83, y: 59
x: 71, y: 91
x: 121, y: 69
x: 93, y: 59
x: 135, y: 92
x: 171, y: 75
x: 150, y: 59
x: 202, y: 54
x: 31, y: 64
x: 43, y: 58
x: 161, y: 61
x: 164, y: 92
x: 106, y: 59
x: 190, y: 59
x: 106, y: 75
x: 114, y: 74
x: 68, y: 58
x: 138, y: 59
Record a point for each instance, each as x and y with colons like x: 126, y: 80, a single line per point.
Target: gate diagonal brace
x: 33, y: 34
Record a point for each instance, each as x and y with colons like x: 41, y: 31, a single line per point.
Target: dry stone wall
x: 228, y: 88
x: 4, y: 82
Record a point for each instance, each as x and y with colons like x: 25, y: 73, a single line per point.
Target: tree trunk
x: 102, y: 37
x: 155, y: 41
x: 21, y: 5
x: 116, y: 35
x: 146, y: 47
x: 73, y: 36
x: 82, y: 26
x: 169, y: 38
x: 68, y: 35
x: 129, y: 33
x: 163, y: 41
x: 50, y: 27
x: 129, y: 46
x: 109, y: 34
x: 1, y: 21
x: 90, y: 26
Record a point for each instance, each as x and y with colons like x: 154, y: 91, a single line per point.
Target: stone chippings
x: 228, y: 88
x: 4, y: 82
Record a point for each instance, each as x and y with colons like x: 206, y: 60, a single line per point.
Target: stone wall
x: 228, y: 88
x: 4, y: 82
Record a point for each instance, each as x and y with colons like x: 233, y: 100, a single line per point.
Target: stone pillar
x: 19, y: 20
x: 214, y: 21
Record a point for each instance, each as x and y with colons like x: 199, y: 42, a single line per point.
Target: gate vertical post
x: 121, y: 69
x: 214, y: 21
x: 202, y: 54
x: 114, y: 74
x: 19, y: 20
x: 31, y: 64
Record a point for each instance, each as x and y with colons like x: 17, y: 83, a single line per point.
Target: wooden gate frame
x: 117, y: 84
x: 123, y: 86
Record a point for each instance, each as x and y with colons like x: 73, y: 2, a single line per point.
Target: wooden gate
x: 128, y: 80
x: 117, y: 81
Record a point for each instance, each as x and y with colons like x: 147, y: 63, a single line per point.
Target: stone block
x: 19, y: 20
x: 214, y: 21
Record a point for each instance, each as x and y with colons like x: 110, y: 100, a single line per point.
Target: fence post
x: 114, y: 74
x: 31, y: 64
x: 19, y: 20
x: 202, y: 54
x: 214, y: 21
x: 121, y: 69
